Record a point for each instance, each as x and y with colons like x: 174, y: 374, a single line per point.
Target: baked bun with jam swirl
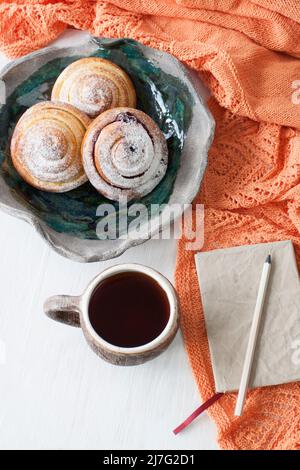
x: 124, y: 154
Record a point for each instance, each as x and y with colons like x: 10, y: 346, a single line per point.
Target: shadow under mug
x: 74, y: 311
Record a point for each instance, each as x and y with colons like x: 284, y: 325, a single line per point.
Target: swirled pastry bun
x: 124, y: 154
x: 94, y: 85
x: 46, y: 146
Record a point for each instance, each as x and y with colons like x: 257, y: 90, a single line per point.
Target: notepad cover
x: 229, y: 280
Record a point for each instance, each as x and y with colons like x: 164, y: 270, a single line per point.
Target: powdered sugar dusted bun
x: 46, y: 146
x: 94, y: 85
x: 124, y: 153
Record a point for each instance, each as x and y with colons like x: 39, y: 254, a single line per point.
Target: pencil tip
x: 268, y: 259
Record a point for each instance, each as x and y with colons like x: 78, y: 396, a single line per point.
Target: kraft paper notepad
x: 229, y: 280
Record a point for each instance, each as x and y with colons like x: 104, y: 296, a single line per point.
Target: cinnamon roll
x: 46, y: 146
x: 124, y: 154
x: 94, y: 85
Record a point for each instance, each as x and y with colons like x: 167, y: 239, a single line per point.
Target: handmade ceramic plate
x: 74, y: 223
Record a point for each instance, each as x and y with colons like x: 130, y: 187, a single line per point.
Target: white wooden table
x: 55, y: 392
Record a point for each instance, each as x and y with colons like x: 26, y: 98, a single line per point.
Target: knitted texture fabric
x: 247, y: 52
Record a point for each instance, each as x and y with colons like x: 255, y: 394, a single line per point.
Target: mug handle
x: 63, y: 308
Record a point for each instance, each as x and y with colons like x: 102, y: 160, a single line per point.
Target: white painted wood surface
x: 55, y: 392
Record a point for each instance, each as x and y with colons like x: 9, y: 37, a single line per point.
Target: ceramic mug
x: 74, y: 311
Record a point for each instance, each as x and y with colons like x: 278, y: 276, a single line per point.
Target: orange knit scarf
x: 247, y: 52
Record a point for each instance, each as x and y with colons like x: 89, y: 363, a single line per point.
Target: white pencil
x: 253, y: 336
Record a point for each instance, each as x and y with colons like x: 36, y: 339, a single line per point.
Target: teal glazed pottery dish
x: 166, y: 90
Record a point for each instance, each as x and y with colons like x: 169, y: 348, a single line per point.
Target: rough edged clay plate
x: 166, y: 90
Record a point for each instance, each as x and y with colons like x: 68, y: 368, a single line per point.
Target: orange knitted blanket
x: 247, y: 51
